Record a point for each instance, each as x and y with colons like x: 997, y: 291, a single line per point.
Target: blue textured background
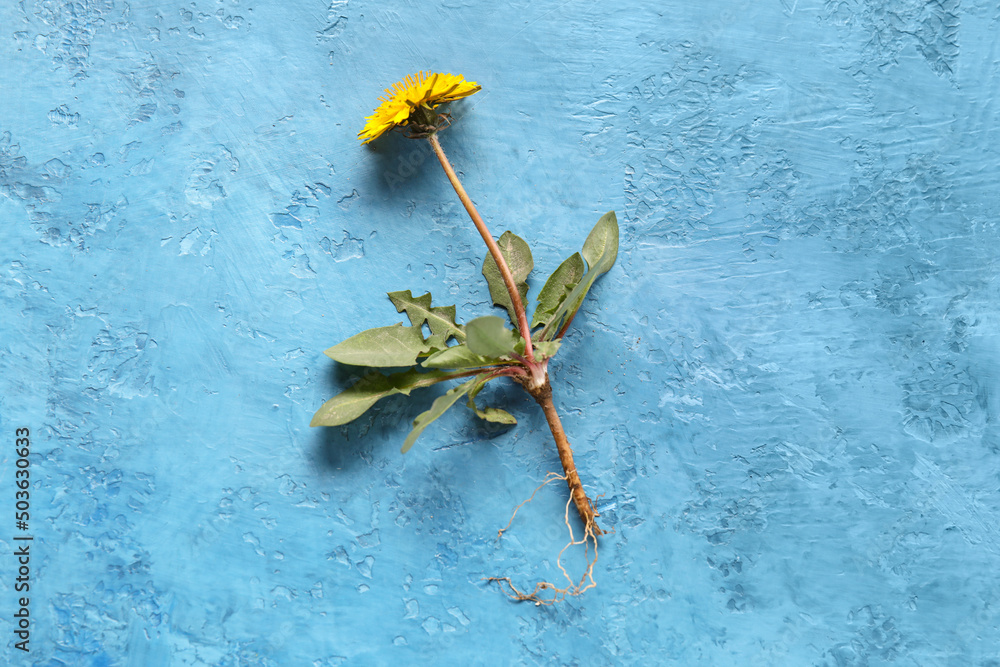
x: 786, y: 390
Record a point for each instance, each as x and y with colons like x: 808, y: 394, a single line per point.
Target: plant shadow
x: 380, y: 431
x: 408, y: 164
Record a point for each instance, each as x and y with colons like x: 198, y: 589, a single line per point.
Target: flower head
x: 412, y: 98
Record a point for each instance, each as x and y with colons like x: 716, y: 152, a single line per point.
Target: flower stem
x: 536, y: 381
x: 543, y: 396
x: 477, y: 220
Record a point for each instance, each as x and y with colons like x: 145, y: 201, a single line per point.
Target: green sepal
x: 438, y: 408
x: 394, y: 345
x: 517, y: 254
x: 600, y: 250
x: 495, y: 415
x: 354, y: 401
x: 557, y: 288
x: 488, y: 337
x: 458, y: 356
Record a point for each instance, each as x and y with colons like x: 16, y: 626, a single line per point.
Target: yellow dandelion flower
x: 420, y: 91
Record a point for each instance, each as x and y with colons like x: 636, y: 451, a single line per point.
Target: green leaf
x: 495, y: 415
x: 457, y: 356
x: 547, y: 348
x: 601, y: 247
x: 441, y: 319
x: 438, y: 408
x: 600, y: 250
x: 487, y: 336
x: 394, y: 345
x: 557, y: 288
x: 517, y: 254
x: 354, y: 401
x: 542, y: 348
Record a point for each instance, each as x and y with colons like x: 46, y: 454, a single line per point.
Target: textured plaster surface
x: 786, y: 391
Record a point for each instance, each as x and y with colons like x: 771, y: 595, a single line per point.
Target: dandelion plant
x: 482, y: 349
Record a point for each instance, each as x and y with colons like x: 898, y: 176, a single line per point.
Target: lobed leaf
x: 440, y: 319
x: 438, y: 408
x: 517, y: 254
x: 488, y: 337
x: 354, y: 401
x: 394, y: 345
x: 557, y: 288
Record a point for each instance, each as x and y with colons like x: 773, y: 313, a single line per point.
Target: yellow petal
x: 427, y: 88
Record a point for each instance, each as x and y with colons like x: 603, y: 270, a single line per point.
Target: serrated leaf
x: 495, y: 415
x: 457, y: 356
x: 354, y: 401
x: 394, y: 345
x: 557, y: 288
x: 440, y: 319
x: 488, y: 337
x: 438, y: 408
x: 600, y: 250
x: 517, y: 254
